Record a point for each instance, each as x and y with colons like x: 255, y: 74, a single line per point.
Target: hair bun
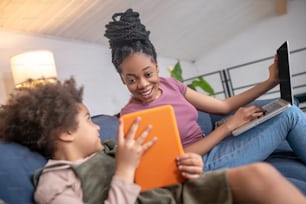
x: 125, y: 28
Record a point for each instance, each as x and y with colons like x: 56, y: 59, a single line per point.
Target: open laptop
x: 286, y: 100
x: 157, y: 167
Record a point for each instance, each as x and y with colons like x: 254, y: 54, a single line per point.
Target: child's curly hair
x: 35, y: 117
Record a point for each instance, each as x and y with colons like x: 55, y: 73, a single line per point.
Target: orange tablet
x: 157, y: 167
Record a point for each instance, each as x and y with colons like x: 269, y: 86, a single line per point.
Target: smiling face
x: 140, y: 74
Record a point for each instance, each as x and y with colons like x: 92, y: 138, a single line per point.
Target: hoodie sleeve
x: 61, y: 185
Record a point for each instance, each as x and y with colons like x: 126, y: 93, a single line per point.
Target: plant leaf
x: 204, y: 85
x: 176, y: 72
x: 191, y: 86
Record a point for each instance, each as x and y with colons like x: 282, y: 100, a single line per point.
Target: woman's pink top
x: 173, y: 93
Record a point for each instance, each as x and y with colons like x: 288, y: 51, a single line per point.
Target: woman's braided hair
x: 127, y: 35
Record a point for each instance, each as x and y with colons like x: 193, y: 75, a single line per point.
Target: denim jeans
x: 258, y: 143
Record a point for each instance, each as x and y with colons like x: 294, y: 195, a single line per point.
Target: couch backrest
x: 205, y: 122
x: 17, y: 164
x: 108, y: 126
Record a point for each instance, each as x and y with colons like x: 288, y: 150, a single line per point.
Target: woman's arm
x: 242, y: 116
x: 207, y: 143
x: 212, y: 105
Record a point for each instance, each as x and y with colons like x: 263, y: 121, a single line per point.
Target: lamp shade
x: 33, y: 65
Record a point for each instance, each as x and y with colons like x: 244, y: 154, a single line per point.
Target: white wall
x: 261, y: 41
x: 90, y: 64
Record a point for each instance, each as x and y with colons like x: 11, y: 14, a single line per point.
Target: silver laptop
x: 286, y: 100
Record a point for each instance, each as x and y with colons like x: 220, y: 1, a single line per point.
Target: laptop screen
x: 284, y: 73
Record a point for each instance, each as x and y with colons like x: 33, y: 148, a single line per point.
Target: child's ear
x: 66, y: 136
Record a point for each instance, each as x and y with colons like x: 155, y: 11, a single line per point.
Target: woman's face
x: 140, y: 74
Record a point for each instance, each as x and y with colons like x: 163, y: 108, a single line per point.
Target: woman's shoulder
x: 172, y: 84
x: 170, y: 81
x: 167, y: 80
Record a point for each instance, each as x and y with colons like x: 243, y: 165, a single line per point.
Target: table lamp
x: 32, y: 68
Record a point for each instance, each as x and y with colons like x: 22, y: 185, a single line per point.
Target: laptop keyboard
x: 271, y: 107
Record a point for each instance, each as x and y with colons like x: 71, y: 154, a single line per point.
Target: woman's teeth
x: 146, y: 92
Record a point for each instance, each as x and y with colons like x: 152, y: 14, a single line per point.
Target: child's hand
x: 190, y: 165
x: 130, y: 150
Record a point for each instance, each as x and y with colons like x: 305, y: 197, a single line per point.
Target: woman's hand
x: 190, y: 165
x: 273, y: 72
x: 130, y: 150
x: 244, y: 115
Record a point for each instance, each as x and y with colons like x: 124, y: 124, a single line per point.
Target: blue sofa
x: 18, y: 163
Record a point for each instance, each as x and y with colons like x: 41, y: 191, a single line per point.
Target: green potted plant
x: 200, y: 82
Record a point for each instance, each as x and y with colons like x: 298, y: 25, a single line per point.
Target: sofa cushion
x: 108, y: 126
x: 17, y: 166
x: 204, y: 120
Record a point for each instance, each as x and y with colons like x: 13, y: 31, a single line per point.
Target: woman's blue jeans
x: 258, y: 143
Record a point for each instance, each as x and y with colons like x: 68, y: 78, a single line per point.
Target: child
x: 52, y: 120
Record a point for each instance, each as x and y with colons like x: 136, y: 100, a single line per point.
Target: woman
x: 135, y: 59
